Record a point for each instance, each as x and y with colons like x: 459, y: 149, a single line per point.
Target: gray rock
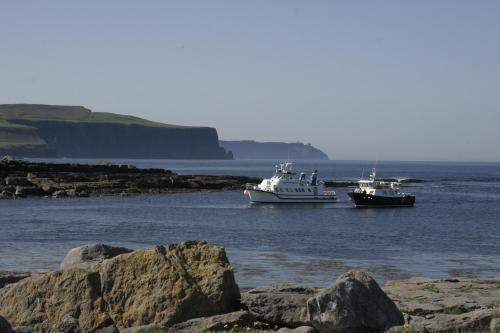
x: 7, y: 277
x: 301, y: 329
x: 479, y: 320
x: 282, y: 305
x: 87, y: 255
x: 213, y: 323
x: 354, y: 303
x: 495, y: 325
x: 5, y: 326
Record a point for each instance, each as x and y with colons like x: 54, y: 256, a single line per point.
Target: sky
x: 369, y: 80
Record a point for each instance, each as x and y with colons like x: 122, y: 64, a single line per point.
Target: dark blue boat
x: 374, y: 193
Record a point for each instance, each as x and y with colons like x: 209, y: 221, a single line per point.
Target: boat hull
x: 368, y: 200
x: 271, y: 197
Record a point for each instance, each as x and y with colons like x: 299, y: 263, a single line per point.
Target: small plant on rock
x: 430, y: 287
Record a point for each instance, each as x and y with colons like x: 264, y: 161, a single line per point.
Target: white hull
x: 264, y: 196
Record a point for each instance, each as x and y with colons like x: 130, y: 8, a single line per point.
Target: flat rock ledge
x: 20, y: 179
x: 447, y: 305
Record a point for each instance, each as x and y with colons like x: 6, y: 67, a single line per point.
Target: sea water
x: 453, y: 230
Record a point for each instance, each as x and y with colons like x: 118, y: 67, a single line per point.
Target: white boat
x: 285, y: 186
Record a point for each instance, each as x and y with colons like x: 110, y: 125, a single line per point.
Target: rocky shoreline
x: 190, y: 287
x: 20, y: 179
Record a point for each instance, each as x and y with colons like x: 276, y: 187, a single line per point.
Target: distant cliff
x: 273, y: 150
x: 32, y: 130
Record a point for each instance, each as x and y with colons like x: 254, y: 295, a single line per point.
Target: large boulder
x: 163, y: 285
x: 282, y: 305
x: 5, y: 326
x: 44, y: 302
x: 354, y: 303
x: 169, y: 284
x: 87, y: 255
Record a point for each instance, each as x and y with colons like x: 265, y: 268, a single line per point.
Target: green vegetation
x: 4, y: 124
x: 13, y: 135
x: 9, y: 113
x: 430, y: 287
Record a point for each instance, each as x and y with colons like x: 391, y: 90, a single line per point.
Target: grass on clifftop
x: 5, y: 124
x: 14, y: 135
x: 40, y: 112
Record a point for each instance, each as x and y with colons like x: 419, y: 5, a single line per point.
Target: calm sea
x: 453, y: 230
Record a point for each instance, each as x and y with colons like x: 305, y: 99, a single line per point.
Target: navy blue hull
x: 368, y: 200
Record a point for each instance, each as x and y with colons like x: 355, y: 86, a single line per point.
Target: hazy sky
x: 404, y: 80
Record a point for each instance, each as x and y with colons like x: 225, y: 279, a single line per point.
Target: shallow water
x: 454, y: 229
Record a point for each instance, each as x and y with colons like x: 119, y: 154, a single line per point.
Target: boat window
x: 309, y: 189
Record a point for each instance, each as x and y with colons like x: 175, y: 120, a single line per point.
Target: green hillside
x: 37, y: 112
